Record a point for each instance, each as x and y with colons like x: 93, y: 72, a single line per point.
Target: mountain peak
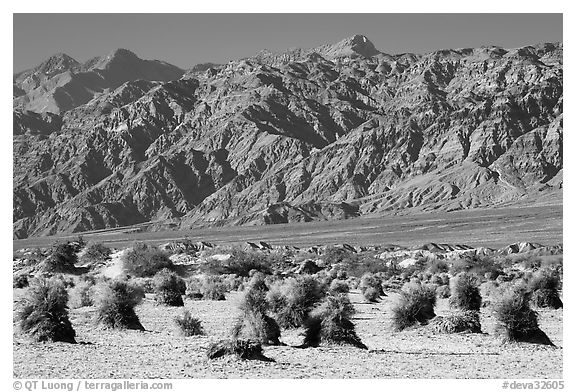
x: 122, y: 53
x: 357, y: 39
x: 113, y: 58
x: 352, y: 46
x: 57, y: 63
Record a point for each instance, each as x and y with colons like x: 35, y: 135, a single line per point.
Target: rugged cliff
x: 328, y: 133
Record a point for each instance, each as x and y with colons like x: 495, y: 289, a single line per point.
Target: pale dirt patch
x: 114, y: 268
x: 161, y: 352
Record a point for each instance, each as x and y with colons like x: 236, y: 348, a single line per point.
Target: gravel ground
x: 161, y: 352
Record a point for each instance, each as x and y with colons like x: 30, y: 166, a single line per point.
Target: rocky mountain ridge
x: 334, y: 132
x: 61, y: 83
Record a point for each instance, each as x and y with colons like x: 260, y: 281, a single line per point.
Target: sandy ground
x: 161, y: 352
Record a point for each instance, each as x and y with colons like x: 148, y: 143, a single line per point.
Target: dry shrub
x: 232, y: 282
x: 465, y: 293
x: 392, y: 284
x: 62, y: 259
x: 463, y: 321
x: 353, y: 282
x: 416, y: 305
x: 258, y: 327
x: 291, y: 300
x: 437, y: 266
x: 213, y: 289
x: 146, y: 284
x: 194, y: 286
x: 253, y: 323
x: 67, y: 280
x: 43, y: 312
x: 115, y: 301
x: 206, y: 287
x: 324, y: 277
x: 335, y: 255
x: 544, y: 287
x: 371, y: 281
x: 479, y: 265
x: 366, y: 262
x: 490, y: 289
x: 189, y: 325
x: 241, y: 263
x: 169, y: 288
x: 371, y: 294
x: 243, y: 349
x: 95, y: 252
x: 339, y: 286
x: 515, y: 321
x: 20, y: 281
x: 82, y: 294
x: 436, y: 279
x: 330, y: 322
x: 144, y: 260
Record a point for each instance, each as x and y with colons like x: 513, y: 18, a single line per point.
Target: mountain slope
x: 61, y: 83
x: 333, y: 132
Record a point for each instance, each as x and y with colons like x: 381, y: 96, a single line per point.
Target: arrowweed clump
x: 416, y: 306
x: 43, y: 312
x: 115, y: 302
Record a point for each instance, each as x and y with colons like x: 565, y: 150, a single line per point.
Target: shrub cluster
x: 82, y: 294
x: 292, y: 299
x: 366, y: 263
x: 233, y: 282
x: 416, y: 305
x: 61, y: 259
x: 244, y: 349
x: 465, y: 292
x: 516, y: 322
x: 353, y: 282
x: 95, y: 252
x: 144, y: 260
x: 206, y: 287
x: 241, y: 263
x: 115, y: 301
x: 20, y: 281
x: 254, y: 323
x: 479, y: 265
x: 330, y: 322
x: 146, y: 284
x: 338, y: 286
x: 189, y: 325
x: 169, y: 288
x: 544, y: 287
x: 334, y: 255
x: 43, y: 312
x: 462, y: 321
x: 437, y: 266
x: 371, y: 287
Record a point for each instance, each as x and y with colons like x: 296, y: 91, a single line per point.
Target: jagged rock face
x: 62, y: 83
x: 328, y: 133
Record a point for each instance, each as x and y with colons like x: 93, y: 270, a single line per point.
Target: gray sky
x: 188, y: 39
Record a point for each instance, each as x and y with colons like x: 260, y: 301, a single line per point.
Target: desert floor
x: 494, y: 227
x: 161, y: 352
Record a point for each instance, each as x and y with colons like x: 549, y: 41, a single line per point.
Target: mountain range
x: 334, y: 132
